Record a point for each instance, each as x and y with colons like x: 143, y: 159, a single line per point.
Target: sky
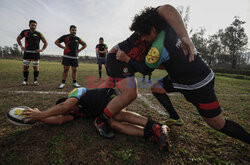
x: 109, y: 19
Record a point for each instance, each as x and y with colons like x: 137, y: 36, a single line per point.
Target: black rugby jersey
x: 92, y: 101
x: 71, y: 44
x: 101, y: 47
x: 32, y: 39
x: 135, y: 48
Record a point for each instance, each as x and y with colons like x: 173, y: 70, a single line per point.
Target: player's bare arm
x: 45, y: 44
x: 36, y: 115
x: 59, y: 44
x: 19, y: 38
x: 172, y: 16
x: 83, y: 47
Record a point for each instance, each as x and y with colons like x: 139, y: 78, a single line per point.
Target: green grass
x: 77, y: 142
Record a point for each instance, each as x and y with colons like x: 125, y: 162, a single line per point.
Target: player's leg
x: 132, y: 123
x: 100, y: 70
x: 36, y: 71
x: 74, y: 66
x: 208, y: 106
x: 160, y: 90
x: 26, y: 64
x: 58, y: 119
x: 128, y: 93
x: 66, y: 66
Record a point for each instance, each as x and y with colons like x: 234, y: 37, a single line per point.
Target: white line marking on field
x: 140, y: 97
x: 38, y: 92
x: 151, y: 105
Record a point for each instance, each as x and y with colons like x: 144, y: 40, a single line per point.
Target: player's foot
x: 161, y: 136
x: 76, y: 85
x: 171, y: 122
x: 104, y: 129
x: 36, y: 83
x: 24, y: 83
x: 62, y: 85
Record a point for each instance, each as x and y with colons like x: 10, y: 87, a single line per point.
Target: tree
x: 185, y: 14
x: 235, y: 40
x: 200, y: 43
x: 214, y: 49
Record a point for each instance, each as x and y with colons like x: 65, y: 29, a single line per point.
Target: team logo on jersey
x: 35, y: 35
x: 178, y: 43
x: 72, y: 91
x: 125, y: 70
x: 153, y: 55
x: 76, y: 40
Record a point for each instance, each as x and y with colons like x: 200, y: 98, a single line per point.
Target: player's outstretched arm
x: 172, y: 16
x: 58, y: 119
x: 36, y: 115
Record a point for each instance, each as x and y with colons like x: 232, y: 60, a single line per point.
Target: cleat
x: 104, y: 129
x: 24, y: 83
x: 62, y: 85
x: 161, y: 136
x: 171, y: 122
x: 36, y: 83
x: 76, y: 85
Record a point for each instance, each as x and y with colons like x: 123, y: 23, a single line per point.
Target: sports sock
x: 25, y: 75
x: 63, y: 81
x: 166, y: 103
x: 100, y: 71
x: 36, y: 73
x: 104, y: 116
x: 236, y: 131
x: 148, y: 129
x: 74, y: 81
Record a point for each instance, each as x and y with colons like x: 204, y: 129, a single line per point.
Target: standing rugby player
x: 101, y: 51
x: 70, y: 57
x: 31, y: 50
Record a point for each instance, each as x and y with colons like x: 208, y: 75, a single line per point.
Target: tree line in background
x: 226, y: 48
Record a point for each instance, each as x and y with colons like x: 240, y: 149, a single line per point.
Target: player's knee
x: 120, y: 116
x: 216, y: 122
x: 35, y: 64
x: 157, y: 88
x: 131, y: 96
x: 65, y: 70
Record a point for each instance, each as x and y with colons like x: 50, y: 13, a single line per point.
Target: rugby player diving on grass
x: 82, y: 102
x: 187, y: 72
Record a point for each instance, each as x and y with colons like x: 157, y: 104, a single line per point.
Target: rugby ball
x: 14, y: 115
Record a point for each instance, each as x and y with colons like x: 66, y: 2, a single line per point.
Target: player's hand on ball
x: 32, y: 115
x: 122, y: 56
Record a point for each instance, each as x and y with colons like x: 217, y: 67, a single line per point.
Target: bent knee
x: 157, y: 88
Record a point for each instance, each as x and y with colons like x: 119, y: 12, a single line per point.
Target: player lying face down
x: 82, y: 102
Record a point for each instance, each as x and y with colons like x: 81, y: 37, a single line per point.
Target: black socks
x: 236, y: 131
x: 166, y: 103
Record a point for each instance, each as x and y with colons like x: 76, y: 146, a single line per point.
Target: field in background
x: 77, y: 142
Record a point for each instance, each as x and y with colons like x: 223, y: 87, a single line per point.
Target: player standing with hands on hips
x: 70, y: 57
x: 31, y: 50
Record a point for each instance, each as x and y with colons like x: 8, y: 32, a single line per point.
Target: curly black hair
x: 146, y: 20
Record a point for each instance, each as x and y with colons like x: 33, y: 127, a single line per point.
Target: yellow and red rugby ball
x: 15, y: 116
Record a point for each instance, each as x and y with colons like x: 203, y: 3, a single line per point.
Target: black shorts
x: 101, y: 60
x: 118, y: 69
x: 31, y: 56
x: 69, y: 62
x: 204, y: 98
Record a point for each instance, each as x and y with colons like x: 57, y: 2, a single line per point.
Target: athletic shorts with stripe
x: 204, y: 98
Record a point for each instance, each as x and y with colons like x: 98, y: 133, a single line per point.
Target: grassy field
x: 77, y: 142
